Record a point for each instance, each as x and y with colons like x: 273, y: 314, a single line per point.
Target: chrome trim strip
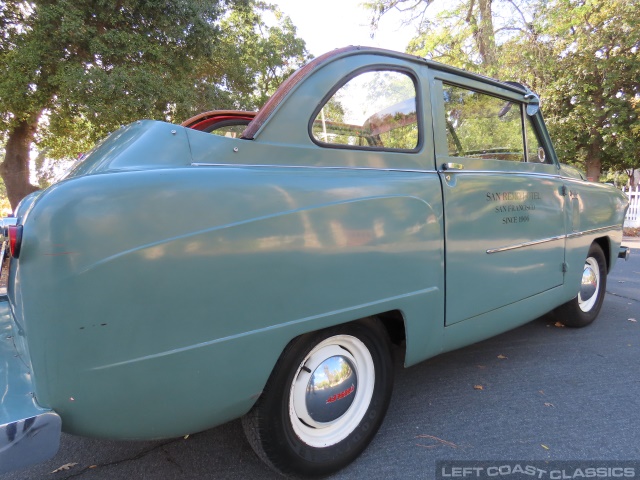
x: 551, y: 239
x: 526, y: 244
x: 244, y: 165
x: 593, y: 230
x: 411, y: 170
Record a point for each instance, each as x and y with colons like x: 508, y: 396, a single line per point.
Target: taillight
x: 15, y: 240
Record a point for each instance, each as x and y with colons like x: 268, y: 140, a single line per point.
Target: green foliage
x: 105, y: 60
x: 237, y: 63
x: 257, y: 55
x: 619, y: 179
x: 73, y: 70
x: 581, y: 56
x: 592, y: 99
x: 460, y: 33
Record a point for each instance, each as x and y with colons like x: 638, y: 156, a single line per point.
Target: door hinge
x: 565, y: 267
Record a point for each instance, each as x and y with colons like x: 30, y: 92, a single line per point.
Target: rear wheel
x: 325, y: 400
x: 583, y: 310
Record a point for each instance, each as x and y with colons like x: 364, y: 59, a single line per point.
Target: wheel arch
x: 392, y: 321
x: 605, y: 244
x: 583, y: 308
x: 287, y: 429
x: 395, y: 325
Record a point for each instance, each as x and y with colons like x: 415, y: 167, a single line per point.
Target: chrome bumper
x: 28, y: 433
x: 624, y: 252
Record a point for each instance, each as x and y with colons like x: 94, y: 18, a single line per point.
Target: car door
x: 503, y: 199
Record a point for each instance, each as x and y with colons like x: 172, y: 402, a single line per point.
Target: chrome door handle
x: 452, y: 166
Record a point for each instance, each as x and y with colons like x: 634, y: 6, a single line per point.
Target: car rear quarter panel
x: 158, y: 301
x: 595, y: 213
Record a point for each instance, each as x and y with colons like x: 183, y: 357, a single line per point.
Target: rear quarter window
x: 373, y: 110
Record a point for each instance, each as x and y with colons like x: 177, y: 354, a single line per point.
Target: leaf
x: 559, y: 325
x: 478, y: 387
x: 544, y: 446
x: 439, y: 440
x: 64, y: 467
x: 547, y: 404
x: 502, y: 357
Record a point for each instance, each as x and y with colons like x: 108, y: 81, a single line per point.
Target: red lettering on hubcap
x: 341, y: 395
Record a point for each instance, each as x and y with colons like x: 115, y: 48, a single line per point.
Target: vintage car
x: 175, y: 280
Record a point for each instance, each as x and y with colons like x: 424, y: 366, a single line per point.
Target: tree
x: 260, y: 53
x: 72, y: 70
x: 592, y: 93
x: 581, y: 56
x: 462, y: 34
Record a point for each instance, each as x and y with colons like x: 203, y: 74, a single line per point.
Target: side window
x: 228, y: 128
x: 482, y: 126
x: 535, y: 150
x: 375, y: 109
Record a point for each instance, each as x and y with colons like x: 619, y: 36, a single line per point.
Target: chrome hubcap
x: 331, y: 389
x: 589, y: 286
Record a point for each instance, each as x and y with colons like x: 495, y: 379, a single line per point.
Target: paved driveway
x: 548, y: 393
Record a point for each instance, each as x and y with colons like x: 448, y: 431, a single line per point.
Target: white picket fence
x: 632, y: 220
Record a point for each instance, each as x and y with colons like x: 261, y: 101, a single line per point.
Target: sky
x: 337, y: 23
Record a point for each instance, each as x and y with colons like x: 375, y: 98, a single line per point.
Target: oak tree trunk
x: 486, y: 36
x: 593, y: 161
x: 15, y: 168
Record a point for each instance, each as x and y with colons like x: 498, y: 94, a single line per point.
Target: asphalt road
x: 548, y: 393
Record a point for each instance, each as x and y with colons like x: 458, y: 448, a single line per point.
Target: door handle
x: 452, y: 166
